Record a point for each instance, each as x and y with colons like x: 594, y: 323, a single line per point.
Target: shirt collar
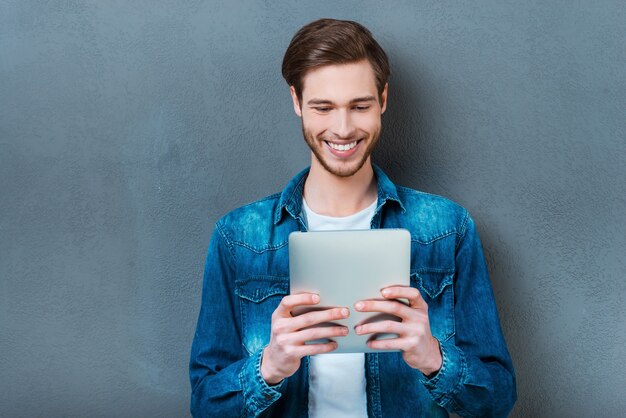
x: 291, y: 197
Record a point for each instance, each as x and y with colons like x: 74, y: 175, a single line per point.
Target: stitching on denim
x: 452, y: 319
x: 253, y: 399
x: 457, y: 388
x: 295, y: 190
x: 440, y: 293
x: 388, y: 196
x: 265, y: 388
x: 305, y: 398
x: 378, y: 397
x: 283, y: 202
x: 260, y: 250
x: 242, y: 315
x: 436, y: 238
x: 463, y: 230
x: 258, y: 296
x: 253, y: 277
x: 374, y: 373
x: 223, y: 234
x: 432, y: 270
x: 231, y: 250
x: 242, y: 379
x: 459, y: 233
x: 440, y: 289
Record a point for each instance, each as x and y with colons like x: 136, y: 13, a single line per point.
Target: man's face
x: 340, y: 114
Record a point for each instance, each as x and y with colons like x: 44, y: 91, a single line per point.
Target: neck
x: 331, y: 195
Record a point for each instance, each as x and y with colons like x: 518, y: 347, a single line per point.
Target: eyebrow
x: 328, y: 102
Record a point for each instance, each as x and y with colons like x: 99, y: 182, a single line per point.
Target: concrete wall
x: 128, y: 128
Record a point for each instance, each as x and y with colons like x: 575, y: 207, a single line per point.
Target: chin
x: 343, y: 170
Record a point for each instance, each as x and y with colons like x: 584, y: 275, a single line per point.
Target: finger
x: 316, y: 333
x: 392, y: 307
x: 318, y: 317
x: 388, y: 344
x: 289, y: 302
x: 391, y: 327
x: 412, y: 294
x: 313, y: 349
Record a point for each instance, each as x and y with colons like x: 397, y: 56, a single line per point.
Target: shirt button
x: 267, y: 396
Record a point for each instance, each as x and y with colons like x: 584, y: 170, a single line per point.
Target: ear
x: 296, y: 102
x: 383, y: 98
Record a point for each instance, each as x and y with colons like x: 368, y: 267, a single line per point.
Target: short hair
x: 330, y: 42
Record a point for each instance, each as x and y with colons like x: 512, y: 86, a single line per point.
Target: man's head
x: 337, y: 75
x: 330, y: 42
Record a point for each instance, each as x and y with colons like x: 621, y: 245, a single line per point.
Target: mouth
x: 343, y: 150
x: 343, y: 147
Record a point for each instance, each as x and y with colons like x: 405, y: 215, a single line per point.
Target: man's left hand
x: 420, y: 349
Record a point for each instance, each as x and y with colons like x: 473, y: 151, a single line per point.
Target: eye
x: 361, y: 108
x: 322, y: 109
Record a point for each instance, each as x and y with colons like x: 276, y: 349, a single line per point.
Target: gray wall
x: 128, y: 128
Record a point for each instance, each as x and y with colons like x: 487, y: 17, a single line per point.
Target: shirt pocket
x: 436, y: 287
x: 258, y: 298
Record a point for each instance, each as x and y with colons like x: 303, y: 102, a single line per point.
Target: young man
x: 248, y: 356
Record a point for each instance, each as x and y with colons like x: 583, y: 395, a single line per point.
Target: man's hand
x: 420, y: 349
x: 281, y: 358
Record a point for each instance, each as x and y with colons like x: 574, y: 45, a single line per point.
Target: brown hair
x: 329, y: 42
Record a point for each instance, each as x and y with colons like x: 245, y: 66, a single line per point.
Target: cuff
x: 258, y: 395
x: 453, y: 369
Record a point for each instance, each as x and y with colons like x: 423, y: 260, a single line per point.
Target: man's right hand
x: 281, y: 358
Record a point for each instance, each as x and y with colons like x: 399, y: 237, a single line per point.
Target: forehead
x: 339, y: 82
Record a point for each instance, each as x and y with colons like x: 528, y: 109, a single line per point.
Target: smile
x: 340, y: 147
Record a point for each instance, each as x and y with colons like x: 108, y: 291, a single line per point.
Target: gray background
x: 128, y: 128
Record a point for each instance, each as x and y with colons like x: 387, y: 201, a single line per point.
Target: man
x: 248, y: 356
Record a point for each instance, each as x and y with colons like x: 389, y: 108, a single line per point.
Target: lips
x: 343, y: 150
x: 342, y: 147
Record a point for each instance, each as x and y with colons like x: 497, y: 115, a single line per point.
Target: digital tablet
x: 344, y: 267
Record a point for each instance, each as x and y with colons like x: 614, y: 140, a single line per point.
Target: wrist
x: 268, y: 373
x: 436, y: 360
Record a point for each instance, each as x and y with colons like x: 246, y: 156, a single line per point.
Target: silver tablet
x: 344, y: 267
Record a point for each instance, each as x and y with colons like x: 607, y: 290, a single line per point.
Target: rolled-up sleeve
x: 477, y: 378
x: 225, y: 380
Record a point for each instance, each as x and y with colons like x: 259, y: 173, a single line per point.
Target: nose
x: 343, y: 126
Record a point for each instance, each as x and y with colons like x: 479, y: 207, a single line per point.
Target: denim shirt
x: 247, y: 274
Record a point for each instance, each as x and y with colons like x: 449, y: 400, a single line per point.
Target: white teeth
x: 342, y: 147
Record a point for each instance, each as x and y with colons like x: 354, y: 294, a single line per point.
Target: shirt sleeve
x: 225, y: 380
x: 476, y: 378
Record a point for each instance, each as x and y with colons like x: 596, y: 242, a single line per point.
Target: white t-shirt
x: 337, y: 381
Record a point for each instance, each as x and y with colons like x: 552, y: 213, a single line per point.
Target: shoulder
x: 252, y: 225
x: 430, y: 217
x: 259, y: 211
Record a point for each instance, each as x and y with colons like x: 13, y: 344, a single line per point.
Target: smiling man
x: 249, y: 356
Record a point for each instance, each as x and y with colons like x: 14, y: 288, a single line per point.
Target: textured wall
x: 128, y: 128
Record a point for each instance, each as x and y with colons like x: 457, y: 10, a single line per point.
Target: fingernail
x: 359, y: 306
x: 345, y: 312
x: 386, y: 292
x: 316, y: 298
x: 345, y: 331
x: 358, y: 329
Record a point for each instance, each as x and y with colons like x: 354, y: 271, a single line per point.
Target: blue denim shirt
x: 247, y: 274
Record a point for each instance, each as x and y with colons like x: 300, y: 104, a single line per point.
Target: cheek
x: 315, y: 124
x: 369, y: 123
